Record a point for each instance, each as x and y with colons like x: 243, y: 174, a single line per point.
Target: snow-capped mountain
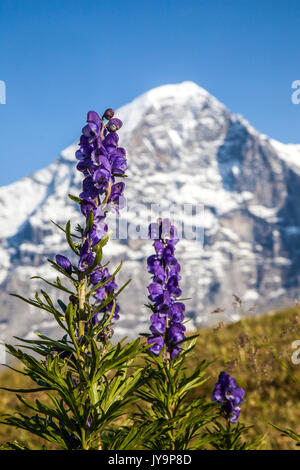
x: 183, y: 146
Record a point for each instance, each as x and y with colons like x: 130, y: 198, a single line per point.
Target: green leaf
x: 57, y: 285
x: 69, y: 238
x: 63, y: 230
x: 96, y: 262
x: 75, y: 198
x: 101, y: 243
x: 90, y: 221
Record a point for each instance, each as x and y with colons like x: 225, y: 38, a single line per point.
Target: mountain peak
x: 174, y: 90
x: 184, y: 94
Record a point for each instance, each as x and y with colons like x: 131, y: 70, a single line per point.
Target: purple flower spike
x: 164, y: 290
x: 230, y: 395
x: 100, y: 160
x: 64, y: 263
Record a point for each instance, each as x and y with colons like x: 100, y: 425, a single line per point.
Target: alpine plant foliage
x: 85, y: 376
x: 90, y: 382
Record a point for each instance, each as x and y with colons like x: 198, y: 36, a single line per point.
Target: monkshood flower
x: 230, y: 395
x: 102, y: 274
x: 101, y: 161
x: 64, y: 263
x: 86, y: 256
x: 167, y: 320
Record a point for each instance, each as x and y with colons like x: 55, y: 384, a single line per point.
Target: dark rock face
x: 183, y: 147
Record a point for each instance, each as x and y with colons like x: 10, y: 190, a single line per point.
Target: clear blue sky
x: 60, y: 58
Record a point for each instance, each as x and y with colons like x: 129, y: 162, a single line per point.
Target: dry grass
x: 257, y: 352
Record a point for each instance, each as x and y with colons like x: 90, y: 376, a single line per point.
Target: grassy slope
x: 256, y: 351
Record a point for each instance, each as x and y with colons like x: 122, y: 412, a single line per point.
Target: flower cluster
x: 101, y: 160
x: 167, y: 327
x: 227, y: 392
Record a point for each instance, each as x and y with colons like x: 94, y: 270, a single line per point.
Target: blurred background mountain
x: 183, y: 146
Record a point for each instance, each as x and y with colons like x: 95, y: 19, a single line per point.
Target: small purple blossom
x: 176, y: 332
x: 86, y: 258
x: 64, y: 263
x: 158, y: 323
x: 114, y: 125
x: 156, y: 344
x: 102, y: 275
x: 97, y: 232
x: 93, y: 117
x: 230, y: 395
x: 88, y: 205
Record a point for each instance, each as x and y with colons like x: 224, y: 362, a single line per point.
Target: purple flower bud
x: 104, y: 162
x: 64, y: 263
x: 114, y: 125
x: 96, y: 276
x: 108, y: 113
x: 118, y: 188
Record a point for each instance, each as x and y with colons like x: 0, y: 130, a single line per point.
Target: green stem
x: 228, y: 434
x: 171, y: 406
x: 83, y: 441
x: 81, y: 299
